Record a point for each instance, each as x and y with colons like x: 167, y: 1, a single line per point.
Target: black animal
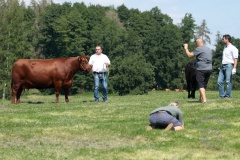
x: 190, y: 75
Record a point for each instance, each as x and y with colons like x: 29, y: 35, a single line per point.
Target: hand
x: 185, y: 46
x: 234, y: 71
x: 107, y: 64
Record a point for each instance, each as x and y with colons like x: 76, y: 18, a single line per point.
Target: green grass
x: 82, y: 129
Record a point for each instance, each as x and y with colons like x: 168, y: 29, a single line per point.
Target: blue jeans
x: 163, y: 120
x: 225, y: 74
x: 100, y: 78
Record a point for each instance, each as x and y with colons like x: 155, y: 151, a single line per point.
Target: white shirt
x: 98, y: 62
x: 230, y: 52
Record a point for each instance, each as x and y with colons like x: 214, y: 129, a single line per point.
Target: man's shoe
x: 169, y: 127
x: 149, y: 128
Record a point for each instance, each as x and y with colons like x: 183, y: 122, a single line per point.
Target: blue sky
x: 220, y: 15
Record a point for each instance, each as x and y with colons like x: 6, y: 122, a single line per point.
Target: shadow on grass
x: 41, y: 102
x: 193, y: 101
x: 30, y: 102
x: 84, y: 101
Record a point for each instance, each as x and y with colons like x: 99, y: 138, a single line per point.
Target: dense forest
x: 145, y: 48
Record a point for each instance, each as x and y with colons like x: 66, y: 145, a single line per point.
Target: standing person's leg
x: 104, y: 86
x: 229, y: 80
x: 206, y: 76
x: 200, y: 79
x: 202, y: 98
x: 96, y: 87
x: 221, y: 78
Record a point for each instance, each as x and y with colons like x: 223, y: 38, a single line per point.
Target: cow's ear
x: 79, y: 58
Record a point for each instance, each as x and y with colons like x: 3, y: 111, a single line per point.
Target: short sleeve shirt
x: 230, y: 52
x: 98, y: 62
x: 204, y: 58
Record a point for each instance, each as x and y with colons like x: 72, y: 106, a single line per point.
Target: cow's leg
x: 189, y: 89
x: 66, y: 95
x: 194, y: 88
x: 19, y: 92
x: 13, y: 98
x: 57, y: 92
x: 15, y: 90
x: 193, y: 93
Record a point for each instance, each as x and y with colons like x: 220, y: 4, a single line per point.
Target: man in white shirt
x: 100, y: 63
x: 228, y: 67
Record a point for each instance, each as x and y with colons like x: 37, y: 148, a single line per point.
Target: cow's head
x: 83, y: 64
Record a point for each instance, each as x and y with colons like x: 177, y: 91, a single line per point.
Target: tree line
x: 145, y: 48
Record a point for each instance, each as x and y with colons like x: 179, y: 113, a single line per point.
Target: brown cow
x: 50, y: 73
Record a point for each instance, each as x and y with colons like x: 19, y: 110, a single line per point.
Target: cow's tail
x: 12, y: 85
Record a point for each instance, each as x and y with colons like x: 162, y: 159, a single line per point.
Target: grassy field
x: 82, y: 129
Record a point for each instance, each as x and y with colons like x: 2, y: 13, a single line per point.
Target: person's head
x: 99, y: 50
x: 226, y: 39
x: 199, y: 42
x: 175, y: 103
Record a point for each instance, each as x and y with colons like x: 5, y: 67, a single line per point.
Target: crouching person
x: 168, y: 118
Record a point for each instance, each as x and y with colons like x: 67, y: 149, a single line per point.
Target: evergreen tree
x: 203, y: 32
x: 71, y: 31
x: 145, y: 48
x: 187, y: 27
x: 15, y: 33
x: 133, y: 75
x: 170, y: 58
x: 49, y: 36
x: 35, y: 10
x: 123, y: 14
